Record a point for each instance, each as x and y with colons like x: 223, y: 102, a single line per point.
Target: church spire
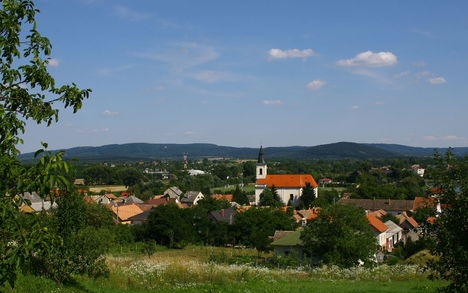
x: 261, y: 160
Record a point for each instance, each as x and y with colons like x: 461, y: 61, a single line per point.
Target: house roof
x: 380, y: 204
x: 227, y: 197
x: 403, y: 217
x: 379, y: 213
x: 124, y: 212
x: 309, y: 214
x: 133, y: 199
x: 376, y: 223
x: 159, y: 201
x: 287, y: 180
x: 142, y: 217
x: 110, y: 196
x: 424, y: 202
x: 288, y: 238
x: 392, y: 227
x: 224, y: 215
x: 191, y: 196
x: 174, y: 190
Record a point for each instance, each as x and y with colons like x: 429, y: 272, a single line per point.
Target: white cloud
x: 355, y: 107
x: 316, y: 84
x: 273, y: 102
x: 127, y: 13
x: 53, y: 62
x: 370, y: 59
x: 110, y: 113
x: 437, y: 80
x: 291, y: 53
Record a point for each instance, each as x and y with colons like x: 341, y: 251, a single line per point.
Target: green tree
x: 255, y: 226
x: 340, y: 235
x: 451, y: 226
x: 307, y: 197
x: 130, y: 176
x: 270, y: 198
x: 169, y: 226
x: 27, y: 93
x: 240, y: 197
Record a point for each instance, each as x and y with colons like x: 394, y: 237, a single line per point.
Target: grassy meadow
x: 208, y: 269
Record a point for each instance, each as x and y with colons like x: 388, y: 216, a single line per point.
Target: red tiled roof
x: 227, y: 197
x: 412, y: 221
x: 288, y: 180
x: 423, y: 202
x: 376, y: 223
x: 379, y: 213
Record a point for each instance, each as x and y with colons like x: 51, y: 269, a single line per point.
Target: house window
x: 291, y: 197
x: 260, y: 171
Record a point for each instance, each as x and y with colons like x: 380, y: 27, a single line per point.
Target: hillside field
x: 209, y: 269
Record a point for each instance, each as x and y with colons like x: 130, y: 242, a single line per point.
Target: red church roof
x: 287, y: 180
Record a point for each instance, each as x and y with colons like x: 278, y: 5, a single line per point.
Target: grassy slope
x: 189, y: 270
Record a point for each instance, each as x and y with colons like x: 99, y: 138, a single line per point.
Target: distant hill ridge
x: 160, y: 151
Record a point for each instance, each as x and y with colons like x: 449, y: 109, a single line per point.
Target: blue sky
x: 250, y: 73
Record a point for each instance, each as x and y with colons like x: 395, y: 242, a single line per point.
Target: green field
x: 198, y: 269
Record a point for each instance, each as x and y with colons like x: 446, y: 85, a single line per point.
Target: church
x: 288, y: 186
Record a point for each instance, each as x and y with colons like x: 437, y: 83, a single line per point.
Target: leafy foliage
x: 451, y: 226
x: 27, y: 93
x: 270, y: 198
x: 307, y: 197
x: 340, y: 235
x: 240, y: 197
x: 254, y: 226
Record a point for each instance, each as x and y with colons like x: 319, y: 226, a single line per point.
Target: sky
x: 250, y: 73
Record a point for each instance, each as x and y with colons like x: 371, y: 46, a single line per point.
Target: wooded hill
x: 339, y: 150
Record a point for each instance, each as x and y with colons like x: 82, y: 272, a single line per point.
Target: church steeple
x: 261, y: 160
x: 261, y: 165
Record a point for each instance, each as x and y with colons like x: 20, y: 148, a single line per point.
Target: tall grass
x: 192, y: 270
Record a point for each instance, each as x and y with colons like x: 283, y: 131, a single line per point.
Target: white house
x: 192, y: 197
x: 288, y: 186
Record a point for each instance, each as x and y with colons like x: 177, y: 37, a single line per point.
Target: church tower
x: 261, y: 169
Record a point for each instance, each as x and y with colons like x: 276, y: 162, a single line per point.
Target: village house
x: 173, y: 192
x: 191, y: 198
x: 288, y: 186
x: 288, y: 243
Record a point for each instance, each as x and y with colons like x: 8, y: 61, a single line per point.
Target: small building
x: 173, y: 192
x: 288, y: 243
x: 191, y: 198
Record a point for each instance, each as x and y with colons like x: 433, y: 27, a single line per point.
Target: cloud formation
x: 370, y: 59
x: 316, y: 84
x: 291, y: 53
x: 437, y: 80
